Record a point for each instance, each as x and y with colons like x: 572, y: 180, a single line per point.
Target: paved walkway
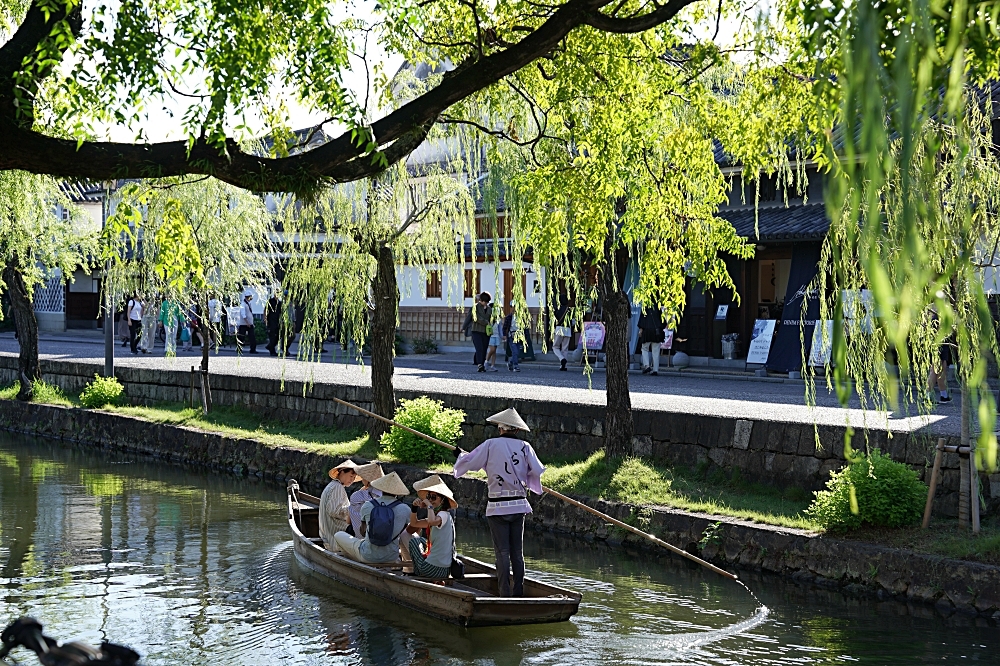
x: 739, y: 397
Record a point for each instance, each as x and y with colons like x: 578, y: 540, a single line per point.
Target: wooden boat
x: 473, y: 601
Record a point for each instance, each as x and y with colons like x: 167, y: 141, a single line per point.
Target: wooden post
x: 974, y: 488
x: 191, y: 395
x: 208, y: 390
x: 964, y: 484
x: 204, y: 398
x: 934, y: 481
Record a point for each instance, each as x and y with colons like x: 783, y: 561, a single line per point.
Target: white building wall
x: 413, y: 284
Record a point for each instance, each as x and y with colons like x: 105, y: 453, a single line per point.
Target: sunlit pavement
x: 454, y: 373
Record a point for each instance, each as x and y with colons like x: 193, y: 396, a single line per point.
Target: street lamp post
x: 109, y: 319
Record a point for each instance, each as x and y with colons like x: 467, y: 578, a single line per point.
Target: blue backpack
x: 382, y: 523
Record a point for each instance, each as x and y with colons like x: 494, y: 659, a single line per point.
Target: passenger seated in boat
x: 383, y: 524
x: 367, y: 474
x: 333, y: 503
x: 432, y: 557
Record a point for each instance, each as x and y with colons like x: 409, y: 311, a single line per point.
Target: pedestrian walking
x: 247, y: 328
x: 509, y: 329
x: 495, y: 331
x: 481, y: 318
x: 170, y: 314
x: 650, y: 336
x: 215, y: 321
x: 148, y: 338
x: 563, y: 335
x: 134, y: 313
x: 512, y: 469
x: 272, y: 319
x: 121, y: 321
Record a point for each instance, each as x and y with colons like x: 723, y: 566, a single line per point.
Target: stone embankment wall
x: 784, y: 454
x: 854, y: 567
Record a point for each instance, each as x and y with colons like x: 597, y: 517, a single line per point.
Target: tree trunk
x: 618, y: 425
x: 383, y: 337
x: 27, y: 329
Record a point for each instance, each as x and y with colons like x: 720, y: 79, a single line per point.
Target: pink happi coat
x: 512, y: 469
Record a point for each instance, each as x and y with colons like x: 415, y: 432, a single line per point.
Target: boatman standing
x: 512, y: 469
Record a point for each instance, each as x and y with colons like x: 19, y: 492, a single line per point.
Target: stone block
x: 742, y: 430
x: 808, y: 446
x: 660, y: 427
x: 827, y: 467
x: 805, y: 470
x: 642, y: 421
x: 720, y: 456
x: 792, y: 433
x: 775, y: 432
x: 642, y: 445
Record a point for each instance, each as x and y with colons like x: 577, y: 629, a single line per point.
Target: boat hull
x: 470, y: 602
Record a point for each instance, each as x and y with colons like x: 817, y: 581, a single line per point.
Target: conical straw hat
x: 347, y: 464
x: 370, y: 472
x: 509, y: 417
x: 432, y: 480
x: 434, y: 484
x: 391, y: 484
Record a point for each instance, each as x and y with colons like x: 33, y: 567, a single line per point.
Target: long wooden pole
x: 558, y: 495
x: 935, y: 471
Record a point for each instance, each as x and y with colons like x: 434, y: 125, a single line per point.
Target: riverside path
x: 737, y: 396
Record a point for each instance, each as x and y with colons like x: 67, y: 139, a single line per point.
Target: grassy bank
x: 633, y: 480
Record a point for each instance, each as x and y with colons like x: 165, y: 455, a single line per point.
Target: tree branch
x: 622, y: 26
x: 339, y: 160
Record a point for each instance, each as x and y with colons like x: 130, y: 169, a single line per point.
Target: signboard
x: 593, y: 333
x: 721, y: 312
x: 760, y: 340
x: 822, y: 344
x: 668, y: 339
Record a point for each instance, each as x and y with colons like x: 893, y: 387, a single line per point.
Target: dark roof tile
x: 804, y: 222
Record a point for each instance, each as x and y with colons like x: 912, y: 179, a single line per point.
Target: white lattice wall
x: 50, y: 296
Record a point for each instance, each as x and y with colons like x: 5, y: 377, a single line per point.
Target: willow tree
x: 36, y: 243
x: 608, y: 158
x: 349, y: 246
x: 913, y: 194
x: 186, y: 240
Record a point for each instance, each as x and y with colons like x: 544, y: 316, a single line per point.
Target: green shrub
x: 429, y: 417
x: 400, y: 345
x: 889, y: 494
x: 424, y: 346
x: 100, y: 392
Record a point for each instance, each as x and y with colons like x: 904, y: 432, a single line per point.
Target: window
x: 487, y: 229
x: 433, y: 284
x: 473, y: 282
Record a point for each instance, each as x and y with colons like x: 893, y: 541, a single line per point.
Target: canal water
x: 192, y: 568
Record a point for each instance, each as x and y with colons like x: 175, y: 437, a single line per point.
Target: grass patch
x: 44, y: 393
x: 944, y: 537
x: 637, y: 481
x: 240, y: 422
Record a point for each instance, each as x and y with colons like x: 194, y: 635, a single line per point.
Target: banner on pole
x: 760, y: 340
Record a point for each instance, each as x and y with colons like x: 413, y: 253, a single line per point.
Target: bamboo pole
x: 558, y: 495
x: 204, y: 395
x: 934, y: 480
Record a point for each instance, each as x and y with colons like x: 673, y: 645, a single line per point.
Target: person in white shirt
x: 134, y: 323
x: 247, y: 328
x: 215, y: 317
x: 334, y: 505
x: 149, y: 316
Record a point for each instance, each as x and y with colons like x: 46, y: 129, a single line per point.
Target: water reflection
x: 191, y: 568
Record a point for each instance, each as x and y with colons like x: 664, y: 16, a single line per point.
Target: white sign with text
x: 760, y: 340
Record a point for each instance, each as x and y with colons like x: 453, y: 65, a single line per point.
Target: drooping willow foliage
x: 620, y: 151
x: 34, y: 237
x: 912, y: 195
x: 185, y: 240
x: 423, y: 214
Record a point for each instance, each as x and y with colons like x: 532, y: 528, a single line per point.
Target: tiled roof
x: 808, y: 222
x: 81, y: 191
